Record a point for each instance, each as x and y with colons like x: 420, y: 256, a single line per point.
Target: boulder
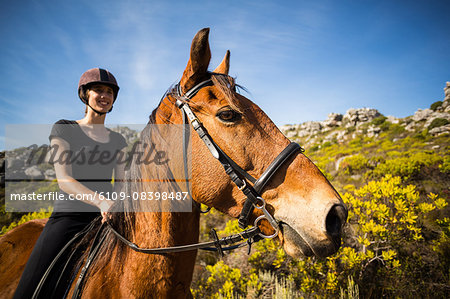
x: 13, y: 164
x: 50, y: 174
x: 410, y: 125
x: 330, y: 137
x: 447, y: 91
x: 341, y: 136
x: 392, y: 119
x: 355, y: 117
x: 440, y: 130
x: 34, y: 173
x: 290, y: 134
x: 334, y: 120
x: 309, y: 128
x: 373, y: 131
x: 422, y: 115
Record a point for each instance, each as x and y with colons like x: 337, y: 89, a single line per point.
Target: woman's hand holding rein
x: 104, y: 207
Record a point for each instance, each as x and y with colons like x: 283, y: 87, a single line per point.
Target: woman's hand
x: 104, y: 206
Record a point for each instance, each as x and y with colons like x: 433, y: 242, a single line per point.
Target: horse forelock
x: 227, y: 86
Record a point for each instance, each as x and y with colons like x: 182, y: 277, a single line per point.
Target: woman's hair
x: 84, y: 93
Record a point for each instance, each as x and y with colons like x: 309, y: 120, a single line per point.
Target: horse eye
x: 228, y: 115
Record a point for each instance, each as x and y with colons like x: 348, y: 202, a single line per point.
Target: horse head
x: 308, y: 210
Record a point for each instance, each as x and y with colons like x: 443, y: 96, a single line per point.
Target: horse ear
x: 224, y: 66
x: 198, y: 60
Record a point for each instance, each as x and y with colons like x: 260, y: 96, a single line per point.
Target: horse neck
x: 163, y: 276
x: 164, y: 229
x: 169, y: 275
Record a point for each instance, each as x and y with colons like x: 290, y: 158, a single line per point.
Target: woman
x: 84, y: 176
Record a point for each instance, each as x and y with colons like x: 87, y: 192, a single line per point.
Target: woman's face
x: 100, y: 97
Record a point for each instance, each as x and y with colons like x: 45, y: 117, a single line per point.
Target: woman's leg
x: 57, y: 232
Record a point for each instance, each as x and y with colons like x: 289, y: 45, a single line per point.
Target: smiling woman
x: 78, y: 177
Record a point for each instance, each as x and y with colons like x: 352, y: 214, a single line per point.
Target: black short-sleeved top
x: 92, y: 162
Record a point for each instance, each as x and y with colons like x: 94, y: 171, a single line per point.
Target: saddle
x: 63, y: 270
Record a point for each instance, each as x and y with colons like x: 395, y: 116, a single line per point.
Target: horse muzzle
x: 298, y: 241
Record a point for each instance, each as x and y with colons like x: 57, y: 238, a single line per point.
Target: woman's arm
x: 70, y: 185
x: 119, y: 173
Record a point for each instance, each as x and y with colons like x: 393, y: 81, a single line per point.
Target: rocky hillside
x: 363, y: 144
x: 368, y: 121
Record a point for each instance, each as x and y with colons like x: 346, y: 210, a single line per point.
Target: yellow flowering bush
x: 224, y: 281
x: 43, y: 213
x: 394, y: 246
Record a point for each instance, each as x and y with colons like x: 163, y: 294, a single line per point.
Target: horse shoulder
x: 15, y: 248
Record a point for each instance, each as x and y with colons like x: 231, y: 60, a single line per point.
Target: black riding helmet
x: 96, y: 76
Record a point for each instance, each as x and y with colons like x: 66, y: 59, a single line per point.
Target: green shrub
x: 438, y: 122
x: 436, y: 105
x: 394, y: 130
x: 354, y: 164
x: 314, y: 148
x: 223, y: 281
x: 350, y: 129
x: 445, y: 166
x: 327, y: 144
x: 407, y: 165
x: 385, y: 126
x: 386, y: 226
x: 379, y: 120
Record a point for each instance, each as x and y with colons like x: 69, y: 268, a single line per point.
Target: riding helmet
x: 96, y: 76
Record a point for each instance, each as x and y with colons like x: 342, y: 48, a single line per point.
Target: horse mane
x: 124, y: 222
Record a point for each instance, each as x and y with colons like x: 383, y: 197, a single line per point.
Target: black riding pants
x: 60, y: 229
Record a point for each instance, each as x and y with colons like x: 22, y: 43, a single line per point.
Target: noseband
x: 238, y: 175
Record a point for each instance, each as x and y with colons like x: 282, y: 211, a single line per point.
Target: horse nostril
x: 335, y: 219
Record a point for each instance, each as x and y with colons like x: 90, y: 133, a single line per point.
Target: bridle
x: 235, y: 172
x: 238, y: 175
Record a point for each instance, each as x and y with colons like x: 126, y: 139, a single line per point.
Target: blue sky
x: 300, y: 60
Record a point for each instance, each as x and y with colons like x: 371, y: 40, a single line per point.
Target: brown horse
x: 309, y: 211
